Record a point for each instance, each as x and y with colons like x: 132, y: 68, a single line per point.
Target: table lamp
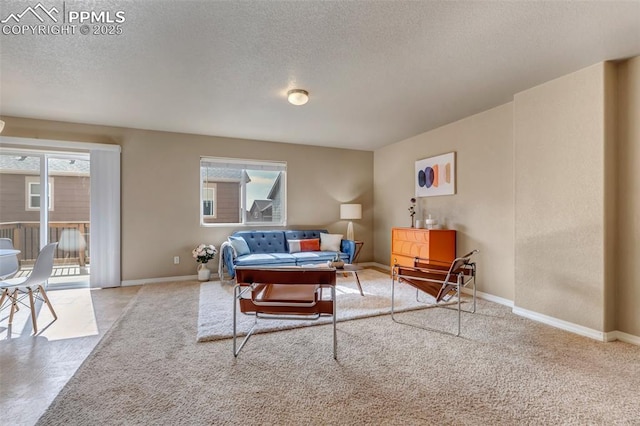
x: 349, y: 212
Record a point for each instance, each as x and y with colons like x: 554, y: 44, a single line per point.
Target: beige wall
x: 559, y: 134
x: 628, y: 315
x: 482, y: 209
x: 160, y: 192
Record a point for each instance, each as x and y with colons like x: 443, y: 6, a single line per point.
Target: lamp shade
x: 351, y: 211
x: 1, y: 125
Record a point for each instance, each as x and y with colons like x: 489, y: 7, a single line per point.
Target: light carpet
x: 215, y: 312
x: 503, y: 370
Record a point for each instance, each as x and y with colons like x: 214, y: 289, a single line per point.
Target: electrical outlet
x: 176, y: 260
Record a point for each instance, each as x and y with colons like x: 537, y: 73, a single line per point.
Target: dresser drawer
x: 401, y: 260
x: 433, y: 244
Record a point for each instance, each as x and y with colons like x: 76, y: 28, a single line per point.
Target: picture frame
x: 436, y: 175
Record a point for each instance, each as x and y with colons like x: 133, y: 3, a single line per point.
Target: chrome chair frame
x: 243, y: 288
x: 457, y: 276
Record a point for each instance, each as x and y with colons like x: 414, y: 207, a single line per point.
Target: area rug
x: 215, y: 313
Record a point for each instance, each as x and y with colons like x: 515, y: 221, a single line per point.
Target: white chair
x: 72, y: 241
x: 17, y: 289
x: 9, y: 264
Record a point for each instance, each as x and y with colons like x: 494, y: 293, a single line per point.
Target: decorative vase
x: 413, y: 221
x: 204, y: 274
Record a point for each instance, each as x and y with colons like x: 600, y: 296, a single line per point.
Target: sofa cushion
x: 264, y: 241
x: 308, y: 257
x: 284, y: 257
x: 330, y: 242
x: 239, y: 245
x: 303, y: 234
x: 296, y: 246
x: 265, y: 259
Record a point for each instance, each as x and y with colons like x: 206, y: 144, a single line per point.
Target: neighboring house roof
x: 31, y: 165
x: 275, y: 189
x: 262, y: 205
x: 213, y: 174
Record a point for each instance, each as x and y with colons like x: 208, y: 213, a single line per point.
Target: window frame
x: 237, y: 163
x: 213, y: 187
x: 35, y: 180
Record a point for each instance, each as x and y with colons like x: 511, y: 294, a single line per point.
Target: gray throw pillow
x: 239, y: 245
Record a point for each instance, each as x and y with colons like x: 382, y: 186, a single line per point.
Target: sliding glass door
x: 69, y: 220
x: 45, y: 197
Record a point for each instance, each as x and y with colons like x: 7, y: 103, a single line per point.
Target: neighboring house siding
x: 71, y: 199
x: 277, y: 201
x: 227, y: 203
x: 13, y: 196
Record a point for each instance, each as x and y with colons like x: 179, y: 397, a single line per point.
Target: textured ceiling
x: 377, y: 72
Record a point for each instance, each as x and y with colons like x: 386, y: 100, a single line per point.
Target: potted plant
x: 202, y: 254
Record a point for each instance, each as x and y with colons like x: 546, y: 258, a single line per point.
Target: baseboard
x: 375, y: 264
x: 561, y: 324
x: 623, y: 337
x: 489, y: 297
x: 145, y: 281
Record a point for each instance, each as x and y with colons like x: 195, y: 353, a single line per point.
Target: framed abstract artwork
x: 436, y: 175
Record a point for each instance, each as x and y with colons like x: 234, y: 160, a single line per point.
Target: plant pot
x: 204, y: 274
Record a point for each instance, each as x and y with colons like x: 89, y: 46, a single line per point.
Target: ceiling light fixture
x: 297, y: 96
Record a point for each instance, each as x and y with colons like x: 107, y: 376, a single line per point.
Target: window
x: 236, y: 191
x: 33, y: 193
x: 209, y: 200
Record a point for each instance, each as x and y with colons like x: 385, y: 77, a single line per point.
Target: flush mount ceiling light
x: 297, y: 96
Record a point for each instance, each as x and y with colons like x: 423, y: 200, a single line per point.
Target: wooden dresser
x: 409, y: 243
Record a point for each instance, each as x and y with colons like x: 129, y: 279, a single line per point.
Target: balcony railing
x: 72, y: 238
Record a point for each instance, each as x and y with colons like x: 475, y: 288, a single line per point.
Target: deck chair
x: 440, y: 280
x: 71, y: 242
x: 9, y: 265
x: 15, y: 290
x: 283, y: 293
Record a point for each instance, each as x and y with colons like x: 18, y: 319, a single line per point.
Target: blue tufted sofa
x: 271, y: 248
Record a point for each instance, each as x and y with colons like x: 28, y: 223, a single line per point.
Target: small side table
x: 359, y: 245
